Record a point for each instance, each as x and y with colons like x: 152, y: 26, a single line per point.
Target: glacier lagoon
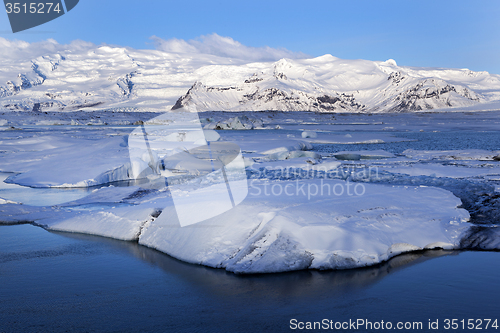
x: 63, y: 174
x: 439, y: 166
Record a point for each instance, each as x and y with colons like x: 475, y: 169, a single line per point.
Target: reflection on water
x: 53, y: 281
x: 307, y: 283
x: 294, y: 284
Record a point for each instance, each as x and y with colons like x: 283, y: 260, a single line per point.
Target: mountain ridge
x: 100, y: 77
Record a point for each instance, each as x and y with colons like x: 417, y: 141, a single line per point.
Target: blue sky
x: 435, y: 33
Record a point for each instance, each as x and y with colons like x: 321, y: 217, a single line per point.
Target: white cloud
x: 18, y: 49
x: 224, y: 47
x: 212, y: 44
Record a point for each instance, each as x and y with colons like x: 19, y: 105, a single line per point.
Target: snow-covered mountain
x: 329, y: 84
x: 99, y: 77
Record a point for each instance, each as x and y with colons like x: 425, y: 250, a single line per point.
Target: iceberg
x: 315, y: 227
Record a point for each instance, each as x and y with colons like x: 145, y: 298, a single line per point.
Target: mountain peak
x: 89, y: 76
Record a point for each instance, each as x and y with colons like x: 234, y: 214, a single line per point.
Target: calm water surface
x: 59, y: 282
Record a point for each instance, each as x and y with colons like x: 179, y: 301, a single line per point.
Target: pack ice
x: 280, y: 225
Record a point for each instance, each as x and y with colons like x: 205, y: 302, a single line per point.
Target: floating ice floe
x: 320, y: 224
x: 439, y: 170
x: 309, y: 134
x: 466, y: 154
x: 286, y: 155
x: 124, y: 223
x: 76, y: 163
x: 5, y: 201
x: 352, y: 138
x: 236, y: 123
x: 363, y: 155
x: 298, y: 145
x: 294, y: 165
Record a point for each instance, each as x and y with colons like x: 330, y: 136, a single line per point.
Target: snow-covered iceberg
x: 290, y: 225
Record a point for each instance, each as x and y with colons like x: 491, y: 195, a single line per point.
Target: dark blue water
x: 453, y: 140
x: 60, y: 282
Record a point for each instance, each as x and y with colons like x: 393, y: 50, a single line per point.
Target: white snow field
x: 52, y: 77
x: 313, y: 200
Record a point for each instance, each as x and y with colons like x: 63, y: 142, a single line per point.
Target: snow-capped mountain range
x: 100, y: 77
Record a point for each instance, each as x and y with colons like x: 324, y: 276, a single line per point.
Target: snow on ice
x: 305, y: 208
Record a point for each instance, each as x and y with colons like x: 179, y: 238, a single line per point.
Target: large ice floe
x: 251, y: 201
x: 314, y: 224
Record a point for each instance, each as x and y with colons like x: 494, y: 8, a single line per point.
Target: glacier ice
x: 272, y: 233
x: 305, y: 209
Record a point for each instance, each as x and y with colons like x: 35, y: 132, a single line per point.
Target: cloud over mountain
x: 18, y: 49
x: 224, y: 47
